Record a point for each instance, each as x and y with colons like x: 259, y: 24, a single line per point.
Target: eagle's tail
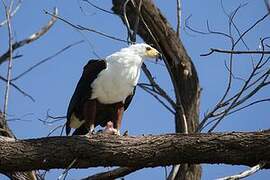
x: 82, y: 130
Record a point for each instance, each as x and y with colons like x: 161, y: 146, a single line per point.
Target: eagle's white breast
x: 117, y: 81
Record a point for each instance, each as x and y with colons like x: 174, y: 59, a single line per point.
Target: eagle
x: 106, y: 88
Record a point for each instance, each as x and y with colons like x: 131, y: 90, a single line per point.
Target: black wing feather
x: 129, y: 99
x: 83, y: 89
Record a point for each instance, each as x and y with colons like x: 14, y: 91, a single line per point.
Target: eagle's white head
x: 143, y: 50
x: 133, y: 55
x: 117, y: 81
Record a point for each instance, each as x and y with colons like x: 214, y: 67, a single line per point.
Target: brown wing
x: 83, y: 89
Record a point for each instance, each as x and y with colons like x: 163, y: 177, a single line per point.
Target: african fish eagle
x: 106, y: 89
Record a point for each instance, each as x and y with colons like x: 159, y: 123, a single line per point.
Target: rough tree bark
x: 144, y: 151
x: 183, y: 72
x: 15, y: 175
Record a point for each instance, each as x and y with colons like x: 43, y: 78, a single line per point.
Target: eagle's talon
x: 109, y: 129
x: 117, y: 132
x: 90, y: 133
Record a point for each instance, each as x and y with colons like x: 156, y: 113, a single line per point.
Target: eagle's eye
x: 148, y: 48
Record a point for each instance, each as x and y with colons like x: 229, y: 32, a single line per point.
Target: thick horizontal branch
x: 143, y: 151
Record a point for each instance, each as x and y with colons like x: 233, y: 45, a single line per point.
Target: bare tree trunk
x: 154, y: 29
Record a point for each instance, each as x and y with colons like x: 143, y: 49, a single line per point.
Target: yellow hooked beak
x: 152, y: 53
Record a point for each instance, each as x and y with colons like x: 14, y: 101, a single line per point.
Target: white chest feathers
x: 117, y: 81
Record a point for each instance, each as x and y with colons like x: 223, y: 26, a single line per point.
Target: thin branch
x: 97, y: 7
x: 212, y: 50
x: 174, y: 172
x: 229, y: 84
x: 232, y: 109
x: 31, y: 38
x: 231, y: 20
x: 235, y: 101
x: 65, y: 172
x: 250, y: 104
x: 12, y: 13
x: 179, y: 15
x: 156, y: 97
x: 126, y: 20
x: 219, y: 104
x: 157, y: 87
x: 55, y: 129
x: 232, y: 102
x: 19, y: 89
x: 251, y: 27
x: 136, y: 24
x: 82, y: 28
x: 53, y: 119
x: 246, y: 173
x: 113, y: 174
x: 267, y: 5
x: 10, y: 40
x: 46, y: 59
x: 187, y: 20
x: 217, y: 32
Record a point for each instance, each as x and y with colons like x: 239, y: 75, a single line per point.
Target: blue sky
x: 53, y: 83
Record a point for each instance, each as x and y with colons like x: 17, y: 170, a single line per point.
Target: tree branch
x: 10, y: 54
x: 47, y: 59
x: 12, y: 13
x: 179, y: 15
x: 143, y: 151
x: 19, y: 89
x: 244, y: 174
x: 212, y: 50
x: 113, y: 174
x: 31, y: 38
x: 82, y: 28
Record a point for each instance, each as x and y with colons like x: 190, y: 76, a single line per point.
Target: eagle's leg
x: 119, y: 110
x: 89, y: 112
